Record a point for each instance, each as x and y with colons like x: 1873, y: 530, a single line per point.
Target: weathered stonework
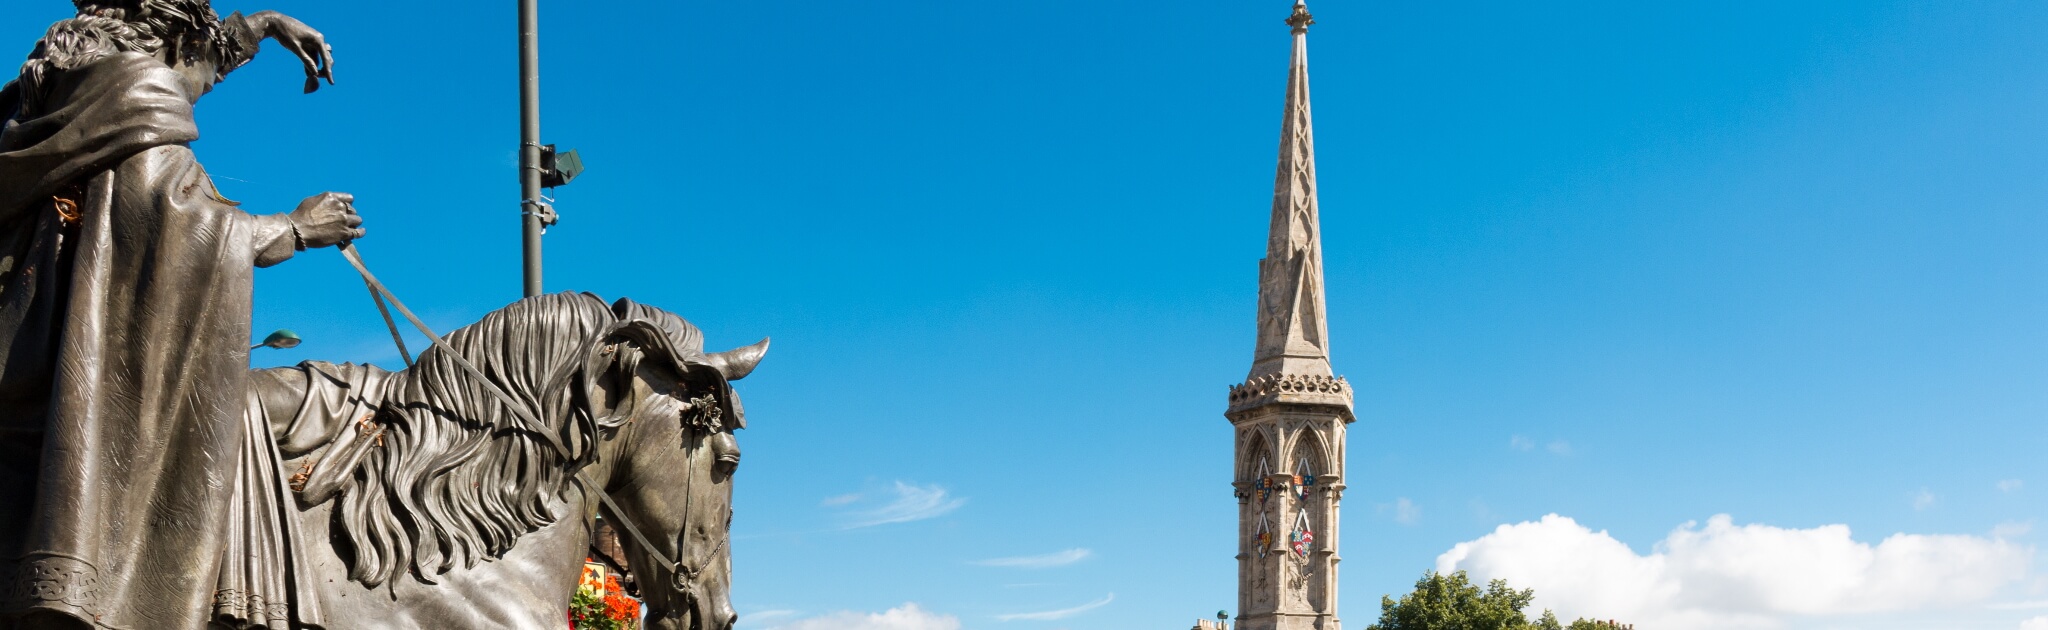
x: 1291, y: 388
x: 1290, y: 414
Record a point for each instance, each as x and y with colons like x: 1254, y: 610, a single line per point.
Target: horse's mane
x: 454, y: 481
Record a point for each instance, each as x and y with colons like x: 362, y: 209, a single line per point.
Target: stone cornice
x: 1296, y: 389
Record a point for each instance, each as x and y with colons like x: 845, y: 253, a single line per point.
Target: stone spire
x: 1290, y: 415
x: 1293, y: 338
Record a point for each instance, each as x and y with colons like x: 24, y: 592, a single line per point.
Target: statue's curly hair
x: 104, y: 27
x: 191, y: 25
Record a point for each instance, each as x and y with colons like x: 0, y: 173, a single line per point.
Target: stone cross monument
x: 1291, y: 411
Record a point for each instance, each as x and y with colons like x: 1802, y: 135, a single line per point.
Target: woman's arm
x: 320, y: 221
x: 307, y: 44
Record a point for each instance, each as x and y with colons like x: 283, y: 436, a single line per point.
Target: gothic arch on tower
x: 1308, y: 462
x: 1307, y: 521
x: 1258, y: 446
x: 1309, y: 449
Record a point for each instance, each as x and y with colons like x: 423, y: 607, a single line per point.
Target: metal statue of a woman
x: 149, y: 480
x: 124, y: 313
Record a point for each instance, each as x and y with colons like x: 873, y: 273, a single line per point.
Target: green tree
x: 1453, y: 602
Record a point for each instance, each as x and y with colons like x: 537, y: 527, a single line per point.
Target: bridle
x: 530, y: 424
x: 678, y: 572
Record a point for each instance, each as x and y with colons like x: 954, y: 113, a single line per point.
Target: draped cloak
x: 123, y: 350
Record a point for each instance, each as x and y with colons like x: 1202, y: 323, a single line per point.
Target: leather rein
x: 531, y: 424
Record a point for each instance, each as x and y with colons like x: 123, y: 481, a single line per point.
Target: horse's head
x: 667, y: 412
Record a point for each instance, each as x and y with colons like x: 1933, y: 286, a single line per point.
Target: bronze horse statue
x: 150, y: 481
x: 413, y: 499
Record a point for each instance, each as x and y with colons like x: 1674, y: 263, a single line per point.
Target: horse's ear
x: 610, y: 373
x: 737, y: 363
x: 615, y: 394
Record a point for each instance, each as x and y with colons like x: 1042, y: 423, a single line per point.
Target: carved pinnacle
x: 1301, y: 19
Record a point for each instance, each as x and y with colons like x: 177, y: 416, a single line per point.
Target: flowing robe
x: 123, y: 350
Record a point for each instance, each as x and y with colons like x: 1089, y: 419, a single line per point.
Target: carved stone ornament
x: 1301, y: 388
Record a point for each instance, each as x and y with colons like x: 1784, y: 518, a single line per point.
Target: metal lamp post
x: 532, y: 214
x: 539, y: 165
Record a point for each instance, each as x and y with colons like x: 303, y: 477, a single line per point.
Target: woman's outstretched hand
x: 308, y: 44
x: 327, y: 219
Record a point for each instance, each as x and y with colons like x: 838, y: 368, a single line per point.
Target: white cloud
x: 1406, y: 512
x: 2010, y: 485
x: 840, y: 500
x: 2037, y: 623
x: 1521, y: 443
x: 1727, y: 576
x: 906, y: 617
x: 1559, y: 447
x: 1063, y: 613
x: 907, y: 502
x: 1054, y: 559
x: 1923, y: 500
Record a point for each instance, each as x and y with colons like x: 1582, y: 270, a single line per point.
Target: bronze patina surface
x: 150, y: 481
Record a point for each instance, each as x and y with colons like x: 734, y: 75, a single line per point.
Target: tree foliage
x: 1453, y: 602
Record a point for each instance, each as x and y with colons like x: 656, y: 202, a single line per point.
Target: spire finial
x: 1301, y: 19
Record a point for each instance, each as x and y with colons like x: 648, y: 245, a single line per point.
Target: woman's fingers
x: 327, y: 61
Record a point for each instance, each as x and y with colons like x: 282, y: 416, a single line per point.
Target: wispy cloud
x: 1402, y: 510
x: 840, y: 500
x: 2010, y: 485
x: 905, y: 617
x: 2037, y: 623
x: 1923, y: 500
x: 1525, y: 444
x: 1406, y: 512
x: 1063, y: 613
x: 1046, y: 561
x: 763, y: 616
x: 905, y: 502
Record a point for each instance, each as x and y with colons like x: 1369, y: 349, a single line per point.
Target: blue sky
x: 1633, y: 264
